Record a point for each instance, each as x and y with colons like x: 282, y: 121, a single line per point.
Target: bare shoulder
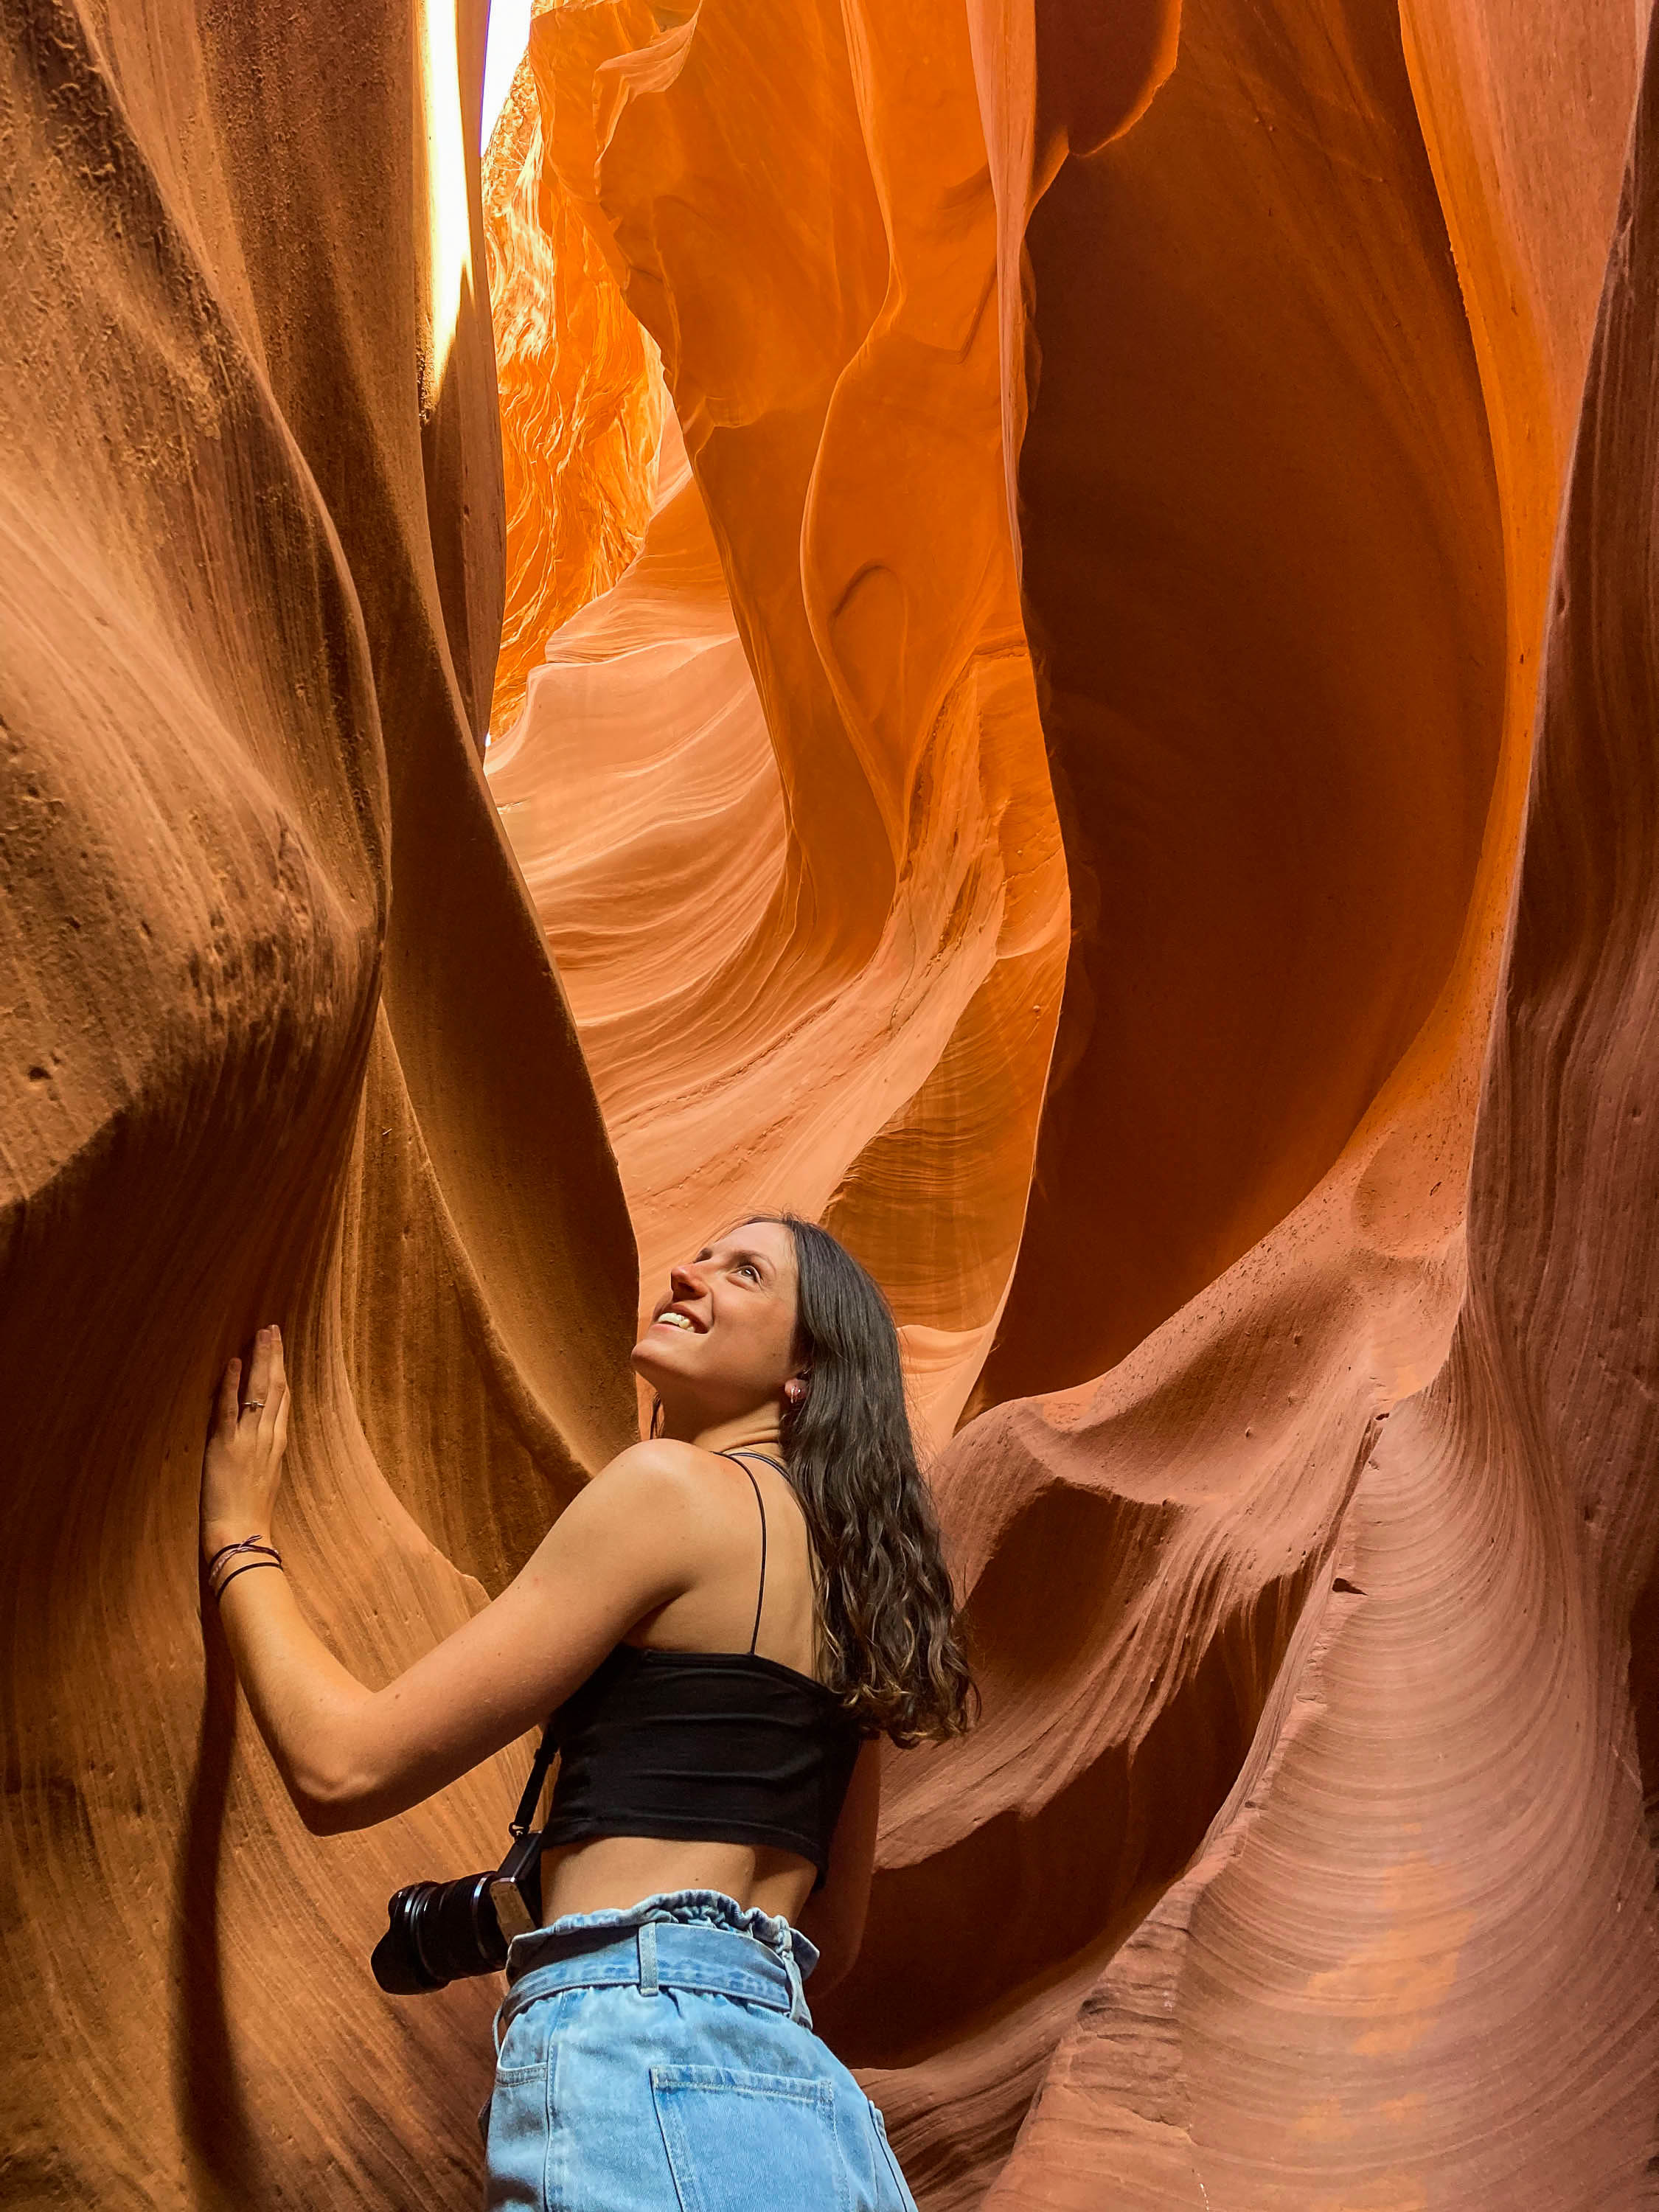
x: 662, y: 1459
x: 658, y: 1483
x: 658, y: 1466
x: 641, y: 1529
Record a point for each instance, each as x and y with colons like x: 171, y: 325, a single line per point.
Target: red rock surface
x: 1215, y: 989
x: 281, y: 1036
x: 807, y: 720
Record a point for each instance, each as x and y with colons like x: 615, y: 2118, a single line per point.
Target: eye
x: 747, y: 1267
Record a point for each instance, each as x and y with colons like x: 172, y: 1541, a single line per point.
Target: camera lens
x: 396, y: 1961
x: 438, y: 1932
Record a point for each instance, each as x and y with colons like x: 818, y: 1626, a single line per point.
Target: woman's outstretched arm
x: 349, y: 1756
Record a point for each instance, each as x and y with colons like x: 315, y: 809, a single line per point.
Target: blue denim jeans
x: 662, y: 2059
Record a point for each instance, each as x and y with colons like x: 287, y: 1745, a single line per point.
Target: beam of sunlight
x: 509, y: 34
x: 448, y: 230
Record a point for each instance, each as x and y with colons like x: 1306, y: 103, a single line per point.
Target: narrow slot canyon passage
x: 1028, y: 630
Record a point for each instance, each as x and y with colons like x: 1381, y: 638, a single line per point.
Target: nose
x: 684, y: 1282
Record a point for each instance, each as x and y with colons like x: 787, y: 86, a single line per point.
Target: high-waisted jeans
x: 662, y: 2059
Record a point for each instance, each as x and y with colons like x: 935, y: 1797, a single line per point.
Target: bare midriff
x: 614, y: 1872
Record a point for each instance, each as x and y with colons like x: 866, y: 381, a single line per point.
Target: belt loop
x: 797, y: 2008
x: 646, y: 1932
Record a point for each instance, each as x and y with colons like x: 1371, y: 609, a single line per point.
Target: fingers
x: 279, y: 1400
x: 273, y: 1421
x: 241, y: 1467
x: 259, y: 1377
x: 267, y: 1388
x: 226, y: 1407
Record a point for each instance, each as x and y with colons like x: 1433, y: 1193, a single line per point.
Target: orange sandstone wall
x: 1301, y: 1860
x: 281, y: 1038
x: 1075, y: 692
x: 581, y: 400
x: 816, y: 958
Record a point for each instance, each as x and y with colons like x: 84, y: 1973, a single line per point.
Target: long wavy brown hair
x: 887, y: 1613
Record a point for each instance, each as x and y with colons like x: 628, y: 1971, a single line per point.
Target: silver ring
x: 252, y: 1404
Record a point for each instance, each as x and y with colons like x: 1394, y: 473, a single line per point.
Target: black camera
x: 440, y: 1931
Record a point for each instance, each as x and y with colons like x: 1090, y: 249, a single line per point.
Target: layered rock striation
x: 807, y: 718
x: 281, y: 1037
x: 1075, y: 696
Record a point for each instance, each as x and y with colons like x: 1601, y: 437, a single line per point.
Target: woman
x: 723, y: 1623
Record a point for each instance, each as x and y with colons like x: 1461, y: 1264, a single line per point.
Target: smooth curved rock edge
x: 1301, y: 1861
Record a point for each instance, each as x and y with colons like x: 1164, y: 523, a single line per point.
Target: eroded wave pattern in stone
x: 1066, y: 626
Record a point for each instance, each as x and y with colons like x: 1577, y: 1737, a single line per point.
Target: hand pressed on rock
x: 242, y: 1466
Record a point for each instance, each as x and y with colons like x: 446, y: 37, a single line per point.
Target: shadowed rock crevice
x: 1264, y: 575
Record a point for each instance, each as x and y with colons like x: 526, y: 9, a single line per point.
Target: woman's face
x: 721, y: 1341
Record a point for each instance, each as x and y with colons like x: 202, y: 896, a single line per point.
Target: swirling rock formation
x: 842, y: 993
x: 581, y: 400
x: 1227, y: 1030
x: 1317, y: 1715
x: 281, y: 1037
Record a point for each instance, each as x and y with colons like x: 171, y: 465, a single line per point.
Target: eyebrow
x: 759, y: 1259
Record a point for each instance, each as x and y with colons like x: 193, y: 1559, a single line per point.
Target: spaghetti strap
x: 746, y: 1451
x: 760, y: 1598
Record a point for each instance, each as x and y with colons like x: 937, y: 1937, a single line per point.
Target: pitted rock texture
x: 1076, y: 688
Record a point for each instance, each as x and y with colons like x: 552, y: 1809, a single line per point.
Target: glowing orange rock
x: 1300, y: 1858
x: 279, y: 1036
x: 1292, y: 1666
x: 834, y: 984
x: 581, y: 400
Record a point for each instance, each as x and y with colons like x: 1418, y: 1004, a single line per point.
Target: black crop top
x: 712, y: 1747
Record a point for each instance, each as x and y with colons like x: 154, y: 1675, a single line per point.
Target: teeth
x: 674, y: 1320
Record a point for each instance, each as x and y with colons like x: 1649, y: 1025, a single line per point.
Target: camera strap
x: 515, y: 1888
x: 519, y: 1826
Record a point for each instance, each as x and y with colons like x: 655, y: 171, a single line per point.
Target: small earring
x: 795, y: 1390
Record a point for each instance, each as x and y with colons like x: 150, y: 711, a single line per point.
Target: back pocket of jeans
x: 901, y: 2199
x: 748, y: 2143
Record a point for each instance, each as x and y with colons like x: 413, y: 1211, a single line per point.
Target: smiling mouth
x: 678, y: 1320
